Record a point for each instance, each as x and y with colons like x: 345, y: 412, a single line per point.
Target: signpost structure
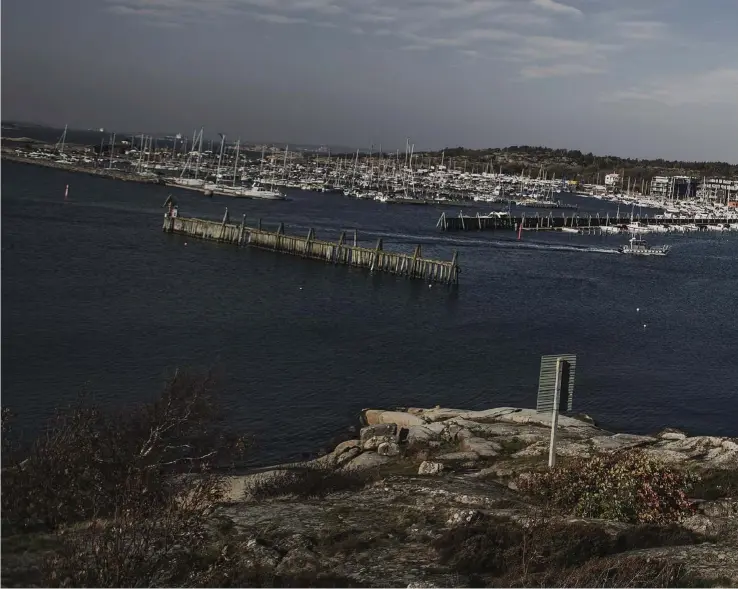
x: 557, y: 375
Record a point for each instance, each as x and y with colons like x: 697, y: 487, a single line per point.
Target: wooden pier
x: 340, y: 252
x: 553, y: 222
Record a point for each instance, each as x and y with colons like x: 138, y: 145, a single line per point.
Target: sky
x: 633, y: 78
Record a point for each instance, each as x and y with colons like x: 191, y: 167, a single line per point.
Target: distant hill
x: 575, y: 165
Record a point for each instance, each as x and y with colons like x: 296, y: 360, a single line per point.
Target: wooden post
x: 355, y: 239
x: 376, y: 255
x: 310, y: 237
x: 258, y: 225
x: 241, y: 230
x: 337, y: 250
x: 454, y: 277
x: 416, y: 255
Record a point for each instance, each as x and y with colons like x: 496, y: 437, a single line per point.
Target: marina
x: 106, y: 297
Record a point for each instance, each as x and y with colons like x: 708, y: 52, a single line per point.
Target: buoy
x: 638, y: 309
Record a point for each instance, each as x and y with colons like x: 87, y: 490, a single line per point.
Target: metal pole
x: 555, y: 416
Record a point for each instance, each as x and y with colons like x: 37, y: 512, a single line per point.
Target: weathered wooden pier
x: 553, y: 222
x: 341, y: 252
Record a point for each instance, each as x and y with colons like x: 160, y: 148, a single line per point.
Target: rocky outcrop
x: 439, y: 469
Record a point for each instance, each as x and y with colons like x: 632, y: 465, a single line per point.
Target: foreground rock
x: 393, y: 506
x: 434, y: 470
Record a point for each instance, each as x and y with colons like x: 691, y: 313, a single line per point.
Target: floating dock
x: 340, y: 252
x: 553, y: 222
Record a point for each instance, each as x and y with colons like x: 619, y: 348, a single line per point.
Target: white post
x: 555, y: 416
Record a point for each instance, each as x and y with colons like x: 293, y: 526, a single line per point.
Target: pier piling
x: 374, y: 260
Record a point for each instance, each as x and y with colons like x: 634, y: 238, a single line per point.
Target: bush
x: 130, y: 494
x: 93, y: 464
x: 626, y: 486
x: 503, y: 553
x: 309, y: 482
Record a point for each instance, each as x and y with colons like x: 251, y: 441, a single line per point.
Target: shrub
x: 309, y: 482
x: 89, y: 463
x: 626, y: 486
x: 129, y: 493
x: 545, y: 553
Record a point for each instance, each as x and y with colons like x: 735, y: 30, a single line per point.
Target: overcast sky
x: 640, y: 78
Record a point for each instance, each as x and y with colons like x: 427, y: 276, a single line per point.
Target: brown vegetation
x: 627, y: 486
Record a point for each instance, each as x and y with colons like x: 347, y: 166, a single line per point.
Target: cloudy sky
x: 641, y: 78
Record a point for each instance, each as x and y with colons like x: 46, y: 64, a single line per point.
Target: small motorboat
x: 639, y: 247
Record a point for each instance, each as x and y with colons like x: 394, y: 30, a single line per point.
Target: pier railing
x: 341, y: 252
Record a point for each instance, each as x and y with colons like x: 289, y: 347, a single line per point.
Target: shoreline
x: 100, y: 173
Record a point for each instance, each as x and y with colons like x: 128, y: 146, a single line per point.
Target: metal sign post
x: 557, y: 377
x: 555, y: 416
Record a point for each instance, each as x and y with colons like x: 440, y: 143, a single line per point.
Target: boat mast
x: 235, y: 166
x: 199, y: 153
x: 112, y: 148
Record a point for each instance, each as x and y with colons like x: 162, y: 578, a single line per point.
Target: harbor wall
x: 341, y: 252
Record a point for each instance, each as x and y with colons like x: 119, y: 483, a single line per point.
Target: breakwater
x: 101, y: 172
x: 341, y: 252
x: 553, y: 222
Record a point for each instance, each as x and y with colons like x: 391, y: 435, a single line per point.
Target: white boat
x: 638, y: 247
x: 257, y: 191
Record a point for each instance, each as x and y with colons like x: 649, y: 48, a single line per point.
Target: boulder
x: 420, y: 435
x: 621, y: 441
x: 376, y: 442
x: 347, y: 445
x: 388, y: 430
x: 399, y: 418
x: 365, y: 461
x: 436, y: 413
x: 437, y: 426
x: 672, y: 434
x: 348, y: 455
x: 458, y: 456
x: 480, y: 446
x: 453, y: 432
x: 374, y: 435
x: 388, y: 449
x: 430, y: 468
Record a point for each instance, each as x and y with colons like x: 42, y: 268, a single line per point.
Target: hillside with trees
x: 575, y: 165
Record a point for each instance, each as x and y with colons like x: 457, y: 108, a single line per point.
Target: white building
x: 612, y: 180
x: 673, y: 187
x: 718, y: 189
x: 660, y: 186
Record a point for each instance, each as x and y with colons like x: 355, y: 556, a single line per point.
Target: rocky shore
x: 441, y: 498
x: 436, y: 469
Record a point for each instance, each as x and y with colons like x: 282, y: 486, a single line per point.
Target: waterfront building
x: 674, y: 187
x: 719, y: 190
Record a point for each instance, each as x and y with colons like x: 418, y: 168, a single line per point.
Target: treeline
x: 575, y: 165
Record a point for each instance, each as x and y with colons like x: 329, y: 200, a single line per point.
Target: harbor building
x: 719, y: 190
x: 674, y: 187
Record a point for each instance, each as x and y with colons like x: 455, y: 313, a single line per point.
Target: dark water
x: 96, y: 298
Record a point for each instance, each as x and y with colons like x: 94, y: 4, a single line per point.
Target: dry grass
x: 309, y: 482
